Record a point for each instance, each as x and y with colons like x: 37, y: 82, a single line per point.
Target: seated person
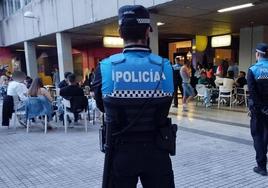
x: 3, y: 85
x: 205, y: 81
x: 75, y: 95
x: 64, y: 82
x: 15, y: 88
x: 228, y: 82
x: 37, y: 89
x: 28, y: 81
x: 241, y: 81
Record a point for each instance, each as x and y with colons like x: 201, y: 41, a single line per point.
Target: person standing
x: 135, y: 89
x: 258, y: 106
x: 56, y: 77
x: 177, y: 79
x: 188, y: 90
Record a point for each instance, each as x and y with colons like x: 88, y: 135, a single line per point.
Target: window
x: 10, y: 7
x: 17, y: 4
x: 27, y: 1
x: 5, y: 9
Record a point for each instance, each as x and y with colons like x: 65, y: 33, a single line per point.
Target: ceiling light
x: 113, y: 42
x: 160, y: 23
x: 236, y: 7
x: 46, y: 46
x: 19, y: 50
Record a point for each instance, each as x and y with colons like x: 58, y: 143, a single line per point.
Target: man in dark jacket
x: 64, y: 82
x: 75, y: 95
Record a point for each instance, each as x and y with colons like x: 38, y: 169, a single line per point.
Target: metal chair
x: 67, y: 112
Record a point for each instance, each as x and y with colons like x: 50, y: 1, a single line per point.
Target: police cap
x: 133, y: 15
x: 262, y: 48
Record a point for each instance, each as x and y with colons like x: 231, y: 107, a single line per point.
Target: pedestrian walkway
x: 209, y: 154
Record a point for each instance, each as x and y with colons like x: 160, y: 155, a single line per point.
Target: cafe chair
x: 70, y: 108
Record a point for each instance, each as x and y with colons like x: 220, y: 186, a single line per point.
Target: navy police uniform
x: 258, y: 105
x: 125, y: 84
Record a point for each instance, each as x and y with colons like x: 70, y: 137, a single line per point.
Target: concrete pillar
x: 154, y: 35
x: 30, y: 56
x: 65, y: 58
x: 249, y: 38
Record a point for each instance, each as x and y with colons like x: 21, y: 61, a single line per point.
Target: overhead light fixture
x: 235, y: 7
x: 113, y: 42
x: 19, y: 50
x: 46, y: 46
x: 29, y: 14
x: 221, y: 41
x: 43, y: 55
x: 160, y: 23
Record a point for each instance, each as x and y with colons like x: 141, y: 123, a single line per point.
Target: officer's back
x: 135, y: 88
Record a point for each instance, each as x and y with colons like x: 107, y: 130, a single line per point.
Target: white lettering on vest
x: 139, y: 76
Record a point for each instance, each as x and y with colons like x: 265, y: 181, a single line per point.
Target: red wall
x: 92, y: 56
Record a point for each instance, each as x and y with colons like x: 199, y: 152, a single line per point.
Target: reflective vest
x: 131, y: 81
x: 260, y: 72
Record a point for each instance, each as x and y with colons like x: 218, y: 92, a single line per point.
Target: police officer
x: 258, y: 105
x: 135, y: 89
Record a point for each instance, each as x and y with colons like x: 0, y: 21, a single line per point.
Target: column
x: 30, y: 56
x: 65, y: 58
x: 249, y: 38
x: 154, y: 35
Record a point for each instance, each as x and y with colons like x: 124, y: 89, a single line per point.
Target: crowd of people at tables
x: 21, y: 87
x: 186, y: 78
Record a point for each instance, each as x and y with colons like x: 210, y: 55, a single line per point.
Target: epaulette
x: 117, y: 58
x: 156, y: 59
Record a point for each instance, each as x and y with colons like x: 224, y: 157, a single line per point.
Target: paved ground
x: 214, y: 150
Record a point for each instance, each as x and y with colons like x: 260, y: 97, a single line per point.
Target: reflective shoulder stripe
x: 117, y: 58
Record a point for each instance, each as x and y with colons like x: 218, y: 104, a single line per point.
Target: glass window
x: 5, y: 8
x: 27, y: 1
x: 17, y: 4
x: 10, y: 7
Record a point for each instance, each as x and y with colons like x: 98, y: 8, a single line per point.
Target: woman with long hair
x: 37, y: 89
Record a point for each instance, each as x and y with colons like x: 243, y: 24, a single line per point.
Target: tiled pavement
x: 209, y: 154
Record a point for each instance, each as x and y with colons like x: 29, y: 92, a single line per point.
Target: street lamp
x: 30, y: 14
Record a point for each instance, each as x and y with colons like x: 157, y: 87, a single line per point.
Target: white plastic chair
x: 29, y: 124
x: 92, y: 109
x: 16, y: 113
x: 67, y: 112
x: 201, y: 89
x: 225, y: 93
x: 246, y: 94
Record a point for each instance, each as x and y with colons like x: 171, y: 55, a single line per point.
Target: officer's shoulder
x: 116, y: 58
x: 255, y: 66
x: 157, y: 59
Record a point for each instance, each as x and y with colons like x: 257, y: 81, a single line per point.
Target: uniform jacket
x: 128, y: 80
x: 258, y: 84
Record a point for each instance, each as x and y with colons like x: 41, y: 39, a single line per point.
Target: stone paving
x: 209, y: 154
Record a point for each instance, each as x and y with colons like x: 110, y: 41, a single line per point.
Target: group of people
x: 186, y: 77
x: 19, y: 87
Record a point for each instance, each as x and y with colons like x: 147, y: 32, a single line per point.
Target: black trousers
x: 7, y: 110
x: 144, y: 161
x: 259, y: 132
x: 176, y: 87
